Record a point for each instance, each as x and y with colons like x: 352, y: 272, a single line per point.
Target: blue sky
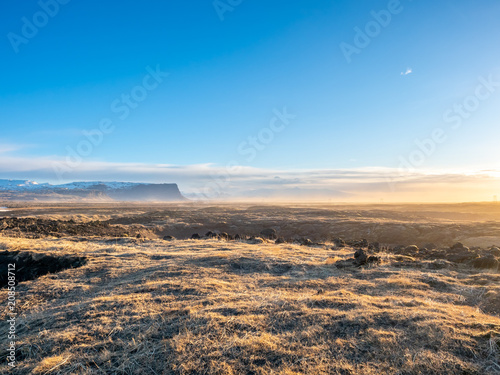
x: 228, y: 77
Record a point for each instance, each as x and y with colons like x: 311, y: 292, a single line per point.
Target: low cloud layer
x: 210, y: 181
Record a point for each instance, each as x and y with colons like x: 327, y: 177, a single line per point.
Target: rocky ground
x: 38, y: 228
x: 253, y: 290
x: 458, y: 253
x: 444, y: 225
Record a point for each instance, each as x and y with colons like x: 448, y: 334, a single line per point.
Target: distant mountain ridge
x: 95, y: 190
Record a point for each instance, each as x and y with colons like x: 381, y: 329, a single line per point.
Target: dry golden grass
x: 214, y: 307
x: 50, y: 364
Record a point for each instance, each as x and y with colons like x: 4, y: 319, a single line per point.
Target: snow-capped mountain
x: 121, y: 191
x: 20, y: 185
x: 23, y: 185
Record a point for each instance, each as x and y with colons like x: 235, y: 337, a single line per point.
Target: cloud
x: 368, y: 184
x: 6, y: 148
x: 408, y: 71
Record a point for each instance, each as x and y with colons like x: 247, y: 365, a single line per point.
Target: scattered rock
x: 398, y: 249
x: 494, y: 250
x: 491, y: 302
x: 306, y: 242
x: 459, y: 247
x: 404, y: 258
x: 360, y: 257
x: 211, y: 234
x: 358, y: 243
x: 269, y: 233
x: 461, y: 258
x: 439, y: 264
x: 348, y: 263
x: 279, y: 240
x: 459, y: 253
x: 373, y: 259
x: 411, y: 250
x: 488, y: 261
x: 430, y: 246
x: 405, y: 261
x: 255, y: 240
x: 339, y: 242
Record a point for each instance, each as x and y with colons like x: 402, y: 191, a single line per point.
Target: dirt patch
x: 30, y: 266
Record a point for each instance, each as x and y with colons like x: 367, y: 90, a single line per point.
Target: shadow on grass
x: 243, y: 265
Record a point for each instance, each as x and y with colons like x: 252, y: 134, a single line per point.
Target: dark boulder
x: 195, y: 236
x: 306, y: 242
x: 373, y: 259
x: 338, y: 242
x: 461, y: 257
x: 398, y: 249
x: 168, y: 238
x: 488, y: 261
x: 411, y: 250
x: 360, y: 257
x: 269, y: 233
x: 358, y: 243
x: 459, y: 253
x: 459, y: 247
x: 430, y: 246
x: 494, y: 250
x: 439, y: 264
x: 255, y: 240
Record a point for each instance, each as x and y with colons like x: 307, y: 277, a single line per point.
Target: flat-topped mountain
x: 93, y: 190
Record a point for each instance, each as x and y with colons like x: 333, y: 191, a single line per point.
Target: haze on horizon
x: 345, y: 101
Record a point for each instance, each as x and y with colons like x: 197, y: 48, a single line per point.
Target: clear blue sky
x: 227, y: 77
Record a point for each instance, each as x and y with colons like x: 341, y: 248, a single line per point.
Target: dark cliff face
x: 147, y: 192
